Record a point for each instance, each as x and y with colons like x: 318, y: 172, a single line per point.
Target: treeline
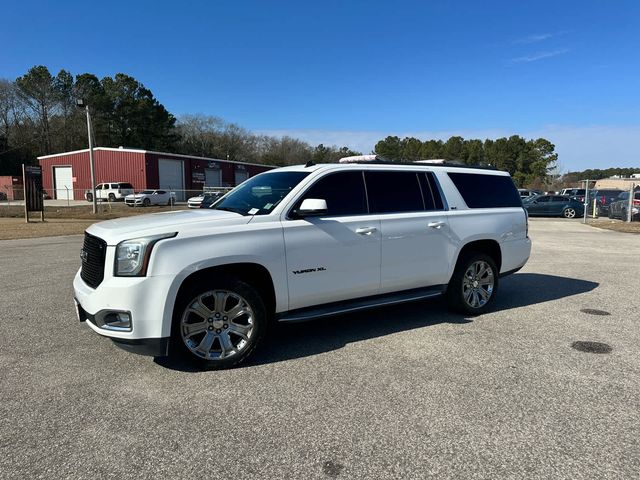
x: 39, y: 116
x: 572, y: 178
x: 530, y: 162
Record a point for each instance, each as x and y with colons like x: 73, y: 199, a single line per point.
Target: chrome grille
x: 93, y: 254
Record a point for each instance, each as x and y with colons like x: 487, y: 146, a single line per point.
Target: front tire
x: 146, y: 202
x: 474, y: 284
x: 220, y: 324
x: 112, y: 198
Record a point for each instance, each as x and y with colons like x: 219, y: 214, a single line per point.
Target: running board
x: 348, y: 306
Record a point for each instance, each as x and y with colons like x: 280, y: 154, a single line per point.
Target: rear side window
x: 343, y: 192
x: 394, y: 192
x: 486, y: 191
x: 560, y: 199
x: 125, y: 185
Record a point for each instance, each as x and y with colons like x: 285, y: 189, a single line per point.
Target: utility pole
x: 632, y: 192
x: 586, y: 200
x: 80, y: 103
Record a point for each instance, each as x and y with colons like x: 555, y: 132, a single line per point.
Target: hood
x: 115, y: 231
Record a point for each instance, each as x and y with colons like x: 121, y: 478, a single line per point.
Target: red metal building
x: 11, y: 188
x: 67, y: 175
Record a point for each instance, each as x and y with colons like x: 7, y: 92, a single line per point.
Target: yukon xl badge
x: 309, y: 270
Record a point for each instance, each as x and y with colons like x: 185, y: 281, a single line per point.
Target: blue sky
x: 352, y: 72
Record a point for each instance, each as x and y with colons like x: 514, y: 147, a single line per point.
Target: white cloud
x: 578, y: 147
x: 538, y: 37
x: 539, y: 56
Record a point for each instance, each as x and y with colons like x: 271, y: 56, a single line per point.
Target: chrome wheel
x: 477, y: 284
x: 217, y: 324
x: 569, y: 213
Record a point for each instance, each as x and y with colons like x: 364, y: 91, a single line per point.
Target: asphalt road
x: 401, y: 392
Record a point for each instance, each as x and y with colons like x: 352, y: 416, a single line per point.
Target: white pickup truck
x: 298, y: 243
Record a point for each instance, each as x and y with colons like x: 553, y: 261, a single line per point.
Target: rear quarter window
x: 486, y: 191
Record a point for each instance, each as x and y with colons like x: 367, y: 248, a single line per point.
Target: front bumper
x: 143, y: 298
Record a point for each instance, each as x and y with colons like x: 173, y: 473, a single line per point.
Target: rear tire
x: 89, y: 197
x: 474, y: 284
x: 112, y: 197
x: 610, y: 214
x: 569, y: 212
x: 219, y: 324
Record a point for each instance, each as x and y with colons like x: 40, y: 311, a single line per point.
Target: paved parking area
x: 402, y: 392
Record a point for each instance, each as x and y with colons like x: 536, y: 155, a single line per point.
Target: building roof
x: 137, y: 150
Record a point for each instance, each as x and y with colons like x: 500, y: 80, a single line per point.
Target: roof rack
x: 431, y: 163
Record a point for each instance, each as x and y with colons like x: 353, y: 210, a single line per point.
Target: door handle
x: 435, y: 224
x: 365, y: 230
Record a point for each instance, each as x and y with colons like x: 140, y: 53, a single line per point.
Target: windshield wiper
x: 233, y: 210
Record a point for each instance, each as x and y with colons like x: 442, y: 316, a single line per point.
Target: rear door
x: 414, y: 226
x: 335, y: 256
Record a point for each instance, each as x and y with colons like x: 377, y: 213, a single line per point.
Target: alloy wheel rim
x: 478, y: 284
x: 217, y: 324
x: 569, y: 213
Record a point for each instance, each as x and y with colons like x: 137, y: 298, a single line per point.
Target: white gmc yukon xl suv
x: 298, y: 243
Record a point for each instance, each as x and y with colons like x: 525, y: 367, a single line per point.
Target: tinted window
x: 160, y: 192
x: 343, y: 192
x: 435, y: 191
x: 391, y: 192
x: 543, y: 199
x: 486, y: 191
x: 125, y: 185
x: 560, y: 199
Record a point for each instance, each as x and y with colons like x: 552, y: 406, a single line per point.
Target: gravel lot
x: 402, y: 392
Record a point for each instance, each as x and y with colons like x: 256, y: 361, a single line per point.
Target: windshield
x: 146, y: 192
x: 260, y: 195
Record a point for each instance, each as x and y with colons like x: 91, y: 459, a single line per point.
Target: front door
x: 335, y: 256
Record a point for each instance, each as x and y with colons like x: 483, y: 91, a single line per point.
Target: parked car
x: 553, y: 205
x: 577, y: 193
x: 524, y: 193
x: 603, y: 199
x: 151, y: 197
x: 297, y: 243
x: 620, y: 207
x: 112, y: 191
x: 210, y: 198
x: 207, y: 197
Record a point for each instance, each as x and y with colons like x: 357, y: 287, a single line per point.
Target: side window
x: 344, y: 193
x: 559, y: 199
x: 160, y: 192
x: 485, y: 190
x: 394, y: 192
x: 433, y: 192
x: 543, y: 199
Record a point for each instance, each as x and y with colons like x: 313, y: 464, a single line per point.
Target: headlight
x: 132, y: 256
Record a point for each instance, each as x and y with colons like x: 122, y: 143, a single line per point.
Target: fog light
x: 118, y: 321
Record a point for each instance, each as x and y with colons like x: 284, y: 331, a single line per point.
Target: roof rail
x: 431, y: 163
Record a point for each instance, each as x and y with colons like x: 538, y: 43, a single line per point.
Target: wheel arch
x: 254, y: 274
x: 487, y: 246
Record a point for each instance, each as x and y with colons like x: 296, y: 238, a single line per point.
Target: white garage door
x: 171, y: 173
x: 213, y: 177
x: 241, y: 176
x: 63, y: 181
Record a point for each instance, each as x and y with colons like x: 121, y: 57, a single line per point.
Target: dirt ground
x: 617, y: 225
x: 63, y: 220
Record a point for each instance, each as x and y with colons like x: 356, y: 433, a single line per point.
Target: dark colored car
x: 619, y: 208
x: 553, y: 206
x: 603, y: 198
x: 209, y: 198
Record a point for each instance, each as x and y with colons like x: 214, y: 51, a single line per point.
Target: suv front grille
x: 93, y: 255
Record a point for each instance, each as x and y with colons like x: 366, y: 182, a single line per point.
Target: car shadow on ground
x: 297, y: 340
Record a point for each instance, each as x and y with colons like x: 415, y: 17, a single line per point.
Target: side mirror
x: 312, y: 206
